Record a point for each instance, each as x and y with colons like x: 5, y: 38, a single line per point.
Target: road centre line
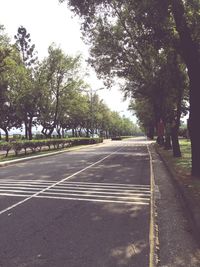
x: 54, y: 184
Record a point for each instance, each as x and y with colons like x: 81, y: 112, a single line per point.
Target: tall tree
x: 27, y: 91
x: 58, y: 73
x: 26, y: 49
x: 9, y: 61
x: 172, y: 22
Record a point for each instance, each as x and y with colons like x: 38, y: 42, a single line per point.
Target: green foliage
x: 53, y: 95
x: 5, y: 146
x: 23, y: 44
x: 38, y: 145
x: 58, y: 74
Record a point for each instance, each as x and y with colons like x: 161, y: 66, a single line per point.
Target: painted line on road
x: 27, y: 181
x: 67, y: 191
x: 96, y: 195
x: 98, y: 200
x: 73, y: 191
x: 113, y: 185
x: 79, y: 190
x: 54, y: 184
x: 81, y: 199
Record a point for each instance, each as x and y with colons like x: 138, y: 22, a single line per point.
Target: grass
x: 181, y: 165
x: 181, y: 168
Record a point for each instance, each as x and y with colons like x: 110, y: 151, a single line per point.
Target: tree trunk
x: 168, y: 144
x: 150, y: 132
x: 194, y: 129
x: 73, y: 132
x: 58, y: 132
x: 50, y: 132
x: 26, y: 130
x: 189, y: 51
x: 30, y: 135
x: 63, y: 133
x: 87, y: 132
x: 6, y: 134
x: 175, y: 143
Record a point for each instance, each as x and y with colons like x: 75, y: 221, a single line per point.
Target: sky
x: 49, y: 21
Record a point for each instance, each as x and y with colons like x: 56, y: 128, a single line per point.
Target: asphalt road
x: 87, y: 208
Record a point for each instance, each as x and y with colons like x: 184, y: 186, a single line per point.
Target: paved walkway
x: 177, y: 244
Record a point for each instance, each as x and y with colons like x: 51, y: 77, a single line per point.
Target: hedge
x: 37, y: 145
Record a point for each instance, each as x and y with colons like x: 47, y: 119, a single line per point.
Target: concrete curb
x: 190, y: 206
x: 153, y: 235
x: 15, y: 161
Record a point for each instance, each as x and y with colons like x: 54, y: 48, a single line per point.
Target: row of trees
x: 154, y: 46
x: 50, y: 93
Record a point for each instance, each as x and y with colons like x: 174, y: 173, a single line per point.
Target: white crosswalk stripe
x: 84, y: 191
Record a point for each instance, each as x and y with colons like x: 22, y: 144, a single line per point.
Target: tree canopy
x: 50, y: 93
x: 149, y: 44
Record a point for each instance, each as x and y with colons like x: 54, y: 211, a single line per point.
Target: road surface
x: 87, y: 208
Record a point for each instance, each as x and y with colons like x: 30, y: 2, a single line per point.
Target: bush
x: 33, y: 145
x: 17, y: 146
x: 5, y: 146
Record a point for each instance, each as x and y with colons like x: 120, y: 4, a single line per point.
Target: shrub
x: 33, y: 145
x: 5, y: 146
x: 17, y: 146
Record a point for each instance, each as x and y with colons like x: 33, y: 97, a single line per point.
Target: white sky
x: 49, y: 21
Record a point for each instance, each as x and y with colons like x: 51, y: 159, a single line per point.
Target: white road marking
x: 83, y: 190
x: 79, y: 190
x: 81, y: 199
x: 96, y: 195
x: 54, y: 184
x: 77, y: 183
x: 77, y: 186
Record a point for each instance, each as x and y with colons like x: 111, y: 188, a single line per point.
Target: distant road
x: 87, y: 208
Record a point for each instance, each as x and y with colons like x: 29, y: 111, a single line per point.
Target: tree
x: 171, y: 22
x: 58, y: 75
x: 143, y: 109
x: 28, y: 92
x: 9, y: 59
x: 24, y: 46
x: 75, y: 111
x: 187, y: 27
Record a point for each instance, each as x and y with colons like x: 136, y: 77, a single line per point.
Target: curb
x: 191, y: 212
x: 153, y: 237
x: 15, y: 161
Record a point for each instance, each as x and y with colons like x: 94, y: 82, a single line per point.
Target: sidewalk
x: 178, y: 246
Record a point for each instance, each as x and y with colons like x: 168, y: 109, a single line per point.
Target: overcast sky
x: 49, y: 21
